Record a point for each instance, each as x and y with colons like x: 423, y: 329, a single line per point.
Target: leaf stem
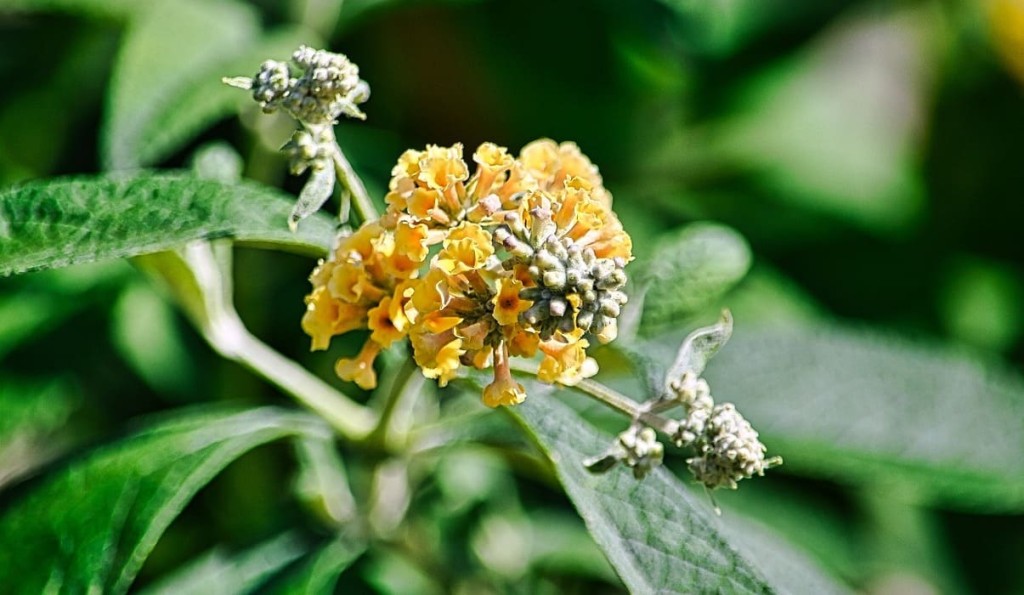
x: 350, y: 181
x: 612, y: 399
x: 214, y: 314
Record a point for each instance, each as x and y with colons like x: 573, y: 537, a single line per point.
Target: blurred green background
x: 870, y: 153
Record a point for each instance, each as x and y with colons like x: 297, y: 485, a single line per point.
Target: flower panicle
x: 512, y: 256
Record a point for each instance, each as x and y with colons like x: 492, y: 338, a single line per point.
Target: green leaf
x: 65, y: 221
x: 90, y: 526
x: 934, y: 425
x: 691, y: 269
x: 225, y: 574
x: 170, y: 46
x: 147, y: 335
x: 835, y: 128
x: 318, y: 574
x: 202, y: 99
x: 116, y: 9
x: 698, y: 348
x: 33, y: 423
x: 659, y: 537
x: 314, y: 194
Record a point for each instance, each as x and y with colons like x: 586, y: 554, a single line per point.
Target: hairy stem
x: 613, y: 399
x: 350, y: 181
x: 203, y: 289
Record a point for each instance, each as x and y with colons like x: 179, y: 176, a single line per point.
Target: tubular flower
x: 527, y: 256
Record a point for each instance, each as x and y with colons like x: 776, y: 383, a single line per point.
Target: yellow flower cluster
x: 527, y: 258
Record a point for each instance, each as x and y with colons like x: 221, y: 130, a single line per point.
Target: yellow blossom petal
x: 437, y: 354
x: 504, y: 391
x: 360, y: 368
x: 507, y: 304
x: 565, y: 363
x: 384, y: 329
x: 326, y: 317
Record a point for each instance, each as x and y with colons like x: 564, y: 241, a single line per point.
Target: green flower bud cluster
x: 318, y: 88
x: 728, y: 450
x: 309, y: 150
x: 641, y: 450
x: 637, y: 448
x: 694, y: 395
x: 575, y: 288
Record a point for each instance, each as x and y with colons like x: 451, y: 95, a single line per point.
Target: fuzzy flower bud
x: 317, y: 88
x: 729, y: 450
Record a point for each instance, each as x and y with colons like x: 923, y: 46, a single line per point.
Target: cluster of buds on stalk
x: 316, y: 88
x: 726, y: 447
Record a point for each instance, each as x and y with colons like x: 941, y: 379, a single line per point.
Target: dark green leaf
x: 65, y: 221
x: 89, y: 527
x: 657, y: 535
x: 117, y: 9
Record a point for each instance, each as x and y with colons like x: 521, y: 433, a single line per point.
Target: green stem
x: 394, y: 417
x: 351, y: 181
x: 611, y: 398
x: 214, y: 314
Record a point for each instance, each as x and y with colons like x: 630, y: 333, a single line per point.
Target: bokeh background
x: 871, y: 154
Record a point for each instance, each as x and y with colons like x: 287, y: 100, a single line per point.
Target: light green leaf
x: 319, y: 573
x: 60, y: 222
x: 148, y: 337
x: 690, y: 270
x: 933, y: 425
x: 698, y: 348
x: 168, y: 47
x: 835, y: 129
x: 315, y: 192
x: 659, y: 537
x: 224, y: 573
x: 203, y: 99
x: 90, y: 526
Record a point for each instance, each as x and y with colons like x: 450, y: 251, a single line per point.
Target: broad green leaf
x: 659, y: 537
x: 934, y: 425
x: 90, y: 526
x: 168, y: 47
x: 203, y: 99
x: 224, y: 573
x: 65, y: 221
x: 691, y: 269
x: 835, y: 129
